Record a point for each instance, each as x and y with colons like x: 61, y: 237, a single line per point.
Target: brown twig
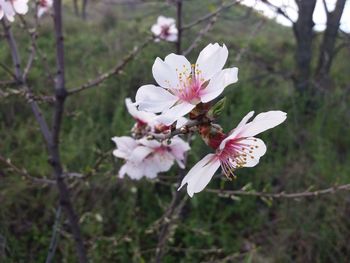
x: 19, y: 79
x: 179, y: 25
x: 201, y: 34
x: 281, y: 195
x: 316, y: 193
x: 210, y: 15
x: 8, y: 70
x: 185, y: 129
x: 55, y: 235
x: 115, y: 71
x: 24, y: 172
x: 35, y: 51
x: 61, y: 94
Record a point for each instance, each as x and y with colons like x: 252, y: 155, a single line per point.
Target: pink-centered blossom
x: 148, y: 119
x: 147, y: 158
x: 238, y: 149
x: 44, y: 6
x: 183, y: 86
x: 165, y: 29
x: 9, y: 8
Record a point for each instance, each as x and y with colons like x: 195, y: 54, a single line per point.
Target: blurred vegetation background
x: 117, y: 217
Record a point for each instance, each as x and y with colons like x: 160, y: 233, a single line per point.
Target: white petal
x: 146, y: 117
x: 255, y: 149
x: 162, y: 160
x: 200, y: 174
x: 164, y: 74
x: 263, y: 122
x: 173, y: 30
x: 134, y: 171
x: 165, y: 21
x: 154, y: 99
x: 171, y: 38
x: 218, y: 83
x: 174, y: 113
x: 178, y: 63
x: 125, y: 145
x: 211, y: 60
x: 178, y: 148
x: 150, y: 143
x: 20, y: 6
x: 139, y: 154
x: 156, y: 29
x: 181, y: 122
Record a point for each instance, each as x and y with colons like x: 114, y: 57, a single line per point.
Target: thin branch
x: 61, y: 94
x: 185, y: 129
x: 303, y: 194
x: 281, y: 195
x: 20, y: 80
x: 278, y: 10
x: 179, y: 25
x: 200, y: 35
x: 55, y: 235
x: 115, y: 71
x: 252, y: 35
x: 8, y: 70
x: 35, y: 51
x: 24, y: 172
x: 210, y: 15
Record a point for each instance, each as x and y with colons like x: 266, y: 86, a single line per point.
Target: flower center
x: 165, y: 31
x: 191, y: 85
x: 235, y: 155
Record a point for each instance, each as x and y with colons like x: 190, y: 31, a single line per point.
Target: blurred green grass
x: 308, y: 150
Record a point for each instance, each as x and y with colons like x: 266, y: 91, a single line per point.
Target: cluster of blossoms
x: 185, y: 88
x: 9, y: 8
x: 144, y: 157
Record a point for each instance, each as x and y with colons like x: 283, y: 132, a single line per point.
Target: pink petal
x: 233, y: 133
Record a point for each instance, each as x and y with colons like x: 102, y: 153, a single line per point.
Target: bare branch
x: 8, y: 70
x: 182, y: 130
x: 20, y: 80
x: 303, y: 194
x: 115, y: 71
x: 278, y: 10
x: 210, y: 15
x: 281, y: 195
x: 200, y: 35
x: 55, y: 235
x: 61, y: 94
x: 24, y: 172
x: 179, y: 25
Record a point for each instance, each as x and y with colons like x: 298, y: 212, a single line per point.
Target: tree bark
x: 329, y: 38
x: 83, y: 9
x: 302, y: 29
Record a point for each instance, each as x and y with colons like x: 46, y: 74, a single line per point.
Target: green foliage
x: 117, y: 216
